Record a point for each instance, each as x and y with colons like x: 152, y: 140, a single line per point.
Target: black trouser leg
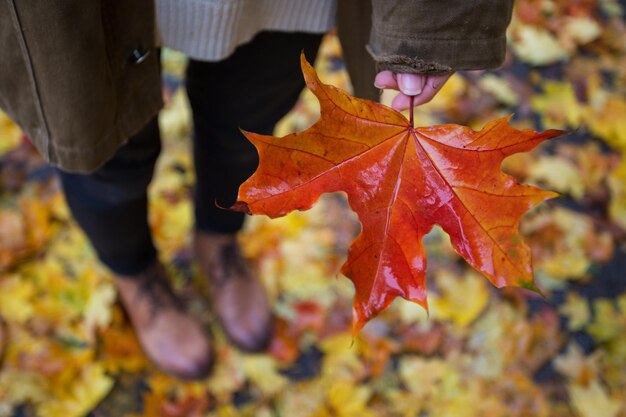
x: 252, y: 90
x: 110, y: 204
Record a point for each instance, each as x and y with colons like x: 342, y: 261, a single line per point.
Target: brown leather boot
x: 239, y: 298
x: 172, y: 339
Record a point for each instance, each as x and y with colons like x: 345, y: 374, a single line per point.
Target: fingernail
x: 378, y: 85
x: 409, y: 85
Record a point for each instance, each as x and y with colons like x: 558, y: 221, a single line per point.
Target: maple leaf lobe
x: 401, y: 181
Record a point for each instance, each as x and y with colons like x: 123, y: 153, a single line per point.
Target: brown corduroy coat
x: 81, y: 76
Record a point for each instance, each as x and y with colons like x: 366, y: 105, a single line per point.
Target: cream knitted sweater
x: 210, y: 30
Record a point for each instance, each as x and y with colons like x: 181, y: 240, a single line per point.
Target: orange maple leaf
x: 401, y: 181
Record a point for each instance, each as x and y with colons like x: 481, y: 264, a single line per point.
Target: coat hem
x: 88, y: 159
x: 435, y: 56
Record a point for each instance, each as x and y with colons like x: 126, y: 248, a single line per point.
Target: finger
x: 401, y: 102
x: 434, y: 83
x: 386, y: 79
x: 411, y: 84
x: 427, y: 95
x: 437, y: 81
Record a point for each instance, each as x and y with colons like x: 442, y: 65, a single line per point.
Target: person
x: 83, y: 81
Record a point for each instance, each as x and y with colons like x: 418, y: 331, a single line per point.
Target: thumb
x: 411, y: 84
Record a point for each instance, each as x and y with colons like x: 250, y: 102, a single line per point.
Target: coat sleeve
x: 434, y: 36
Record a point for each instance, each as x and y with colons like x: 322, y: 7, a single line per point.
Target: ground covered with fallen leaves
x: 68, y: 350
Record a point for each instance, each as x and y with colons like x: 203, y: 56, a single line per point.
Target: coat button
x: 139, y: 55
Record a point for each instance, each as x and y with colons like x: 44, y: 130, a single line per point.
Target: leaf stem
x: 411, y: 98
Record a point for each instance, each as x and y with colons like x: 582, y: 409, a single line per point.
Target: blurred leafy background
x: 68, y: 350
